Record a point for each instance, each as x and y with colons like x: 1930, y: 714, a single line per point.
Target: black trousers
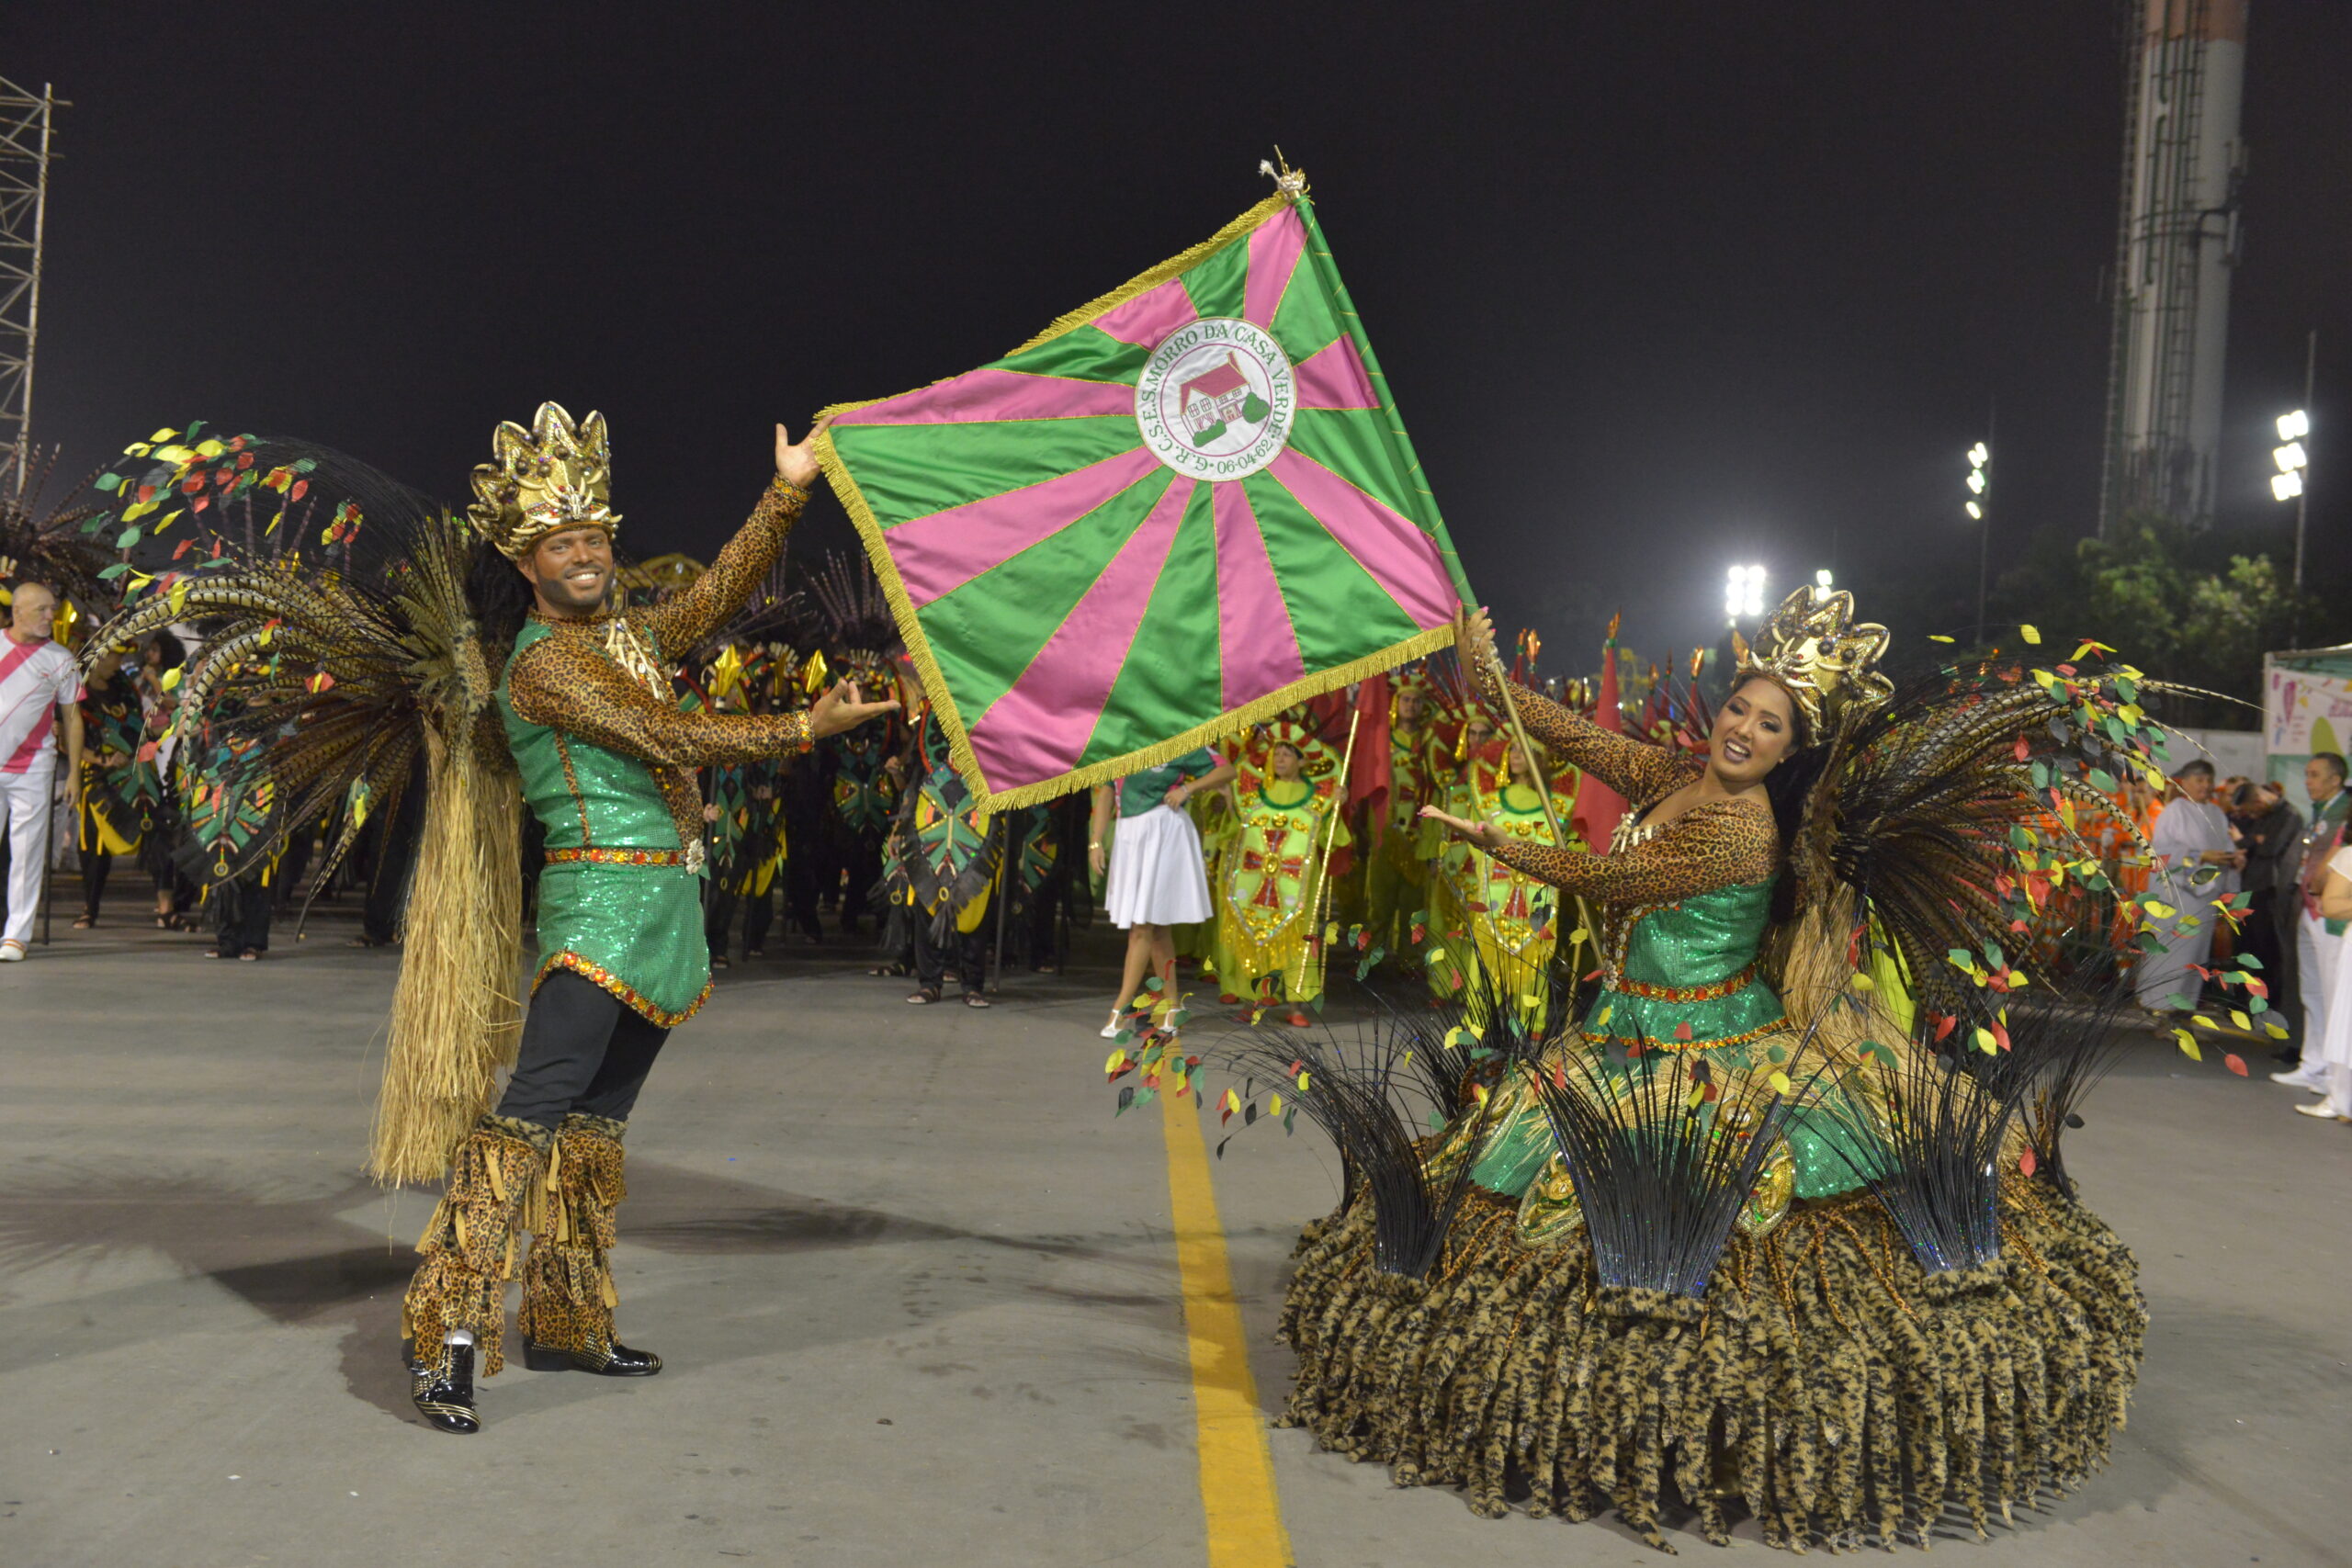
x: 803, y: 838
x: 759, y: 914
x: 96, y: 863
x: 861, y: 866
x: 583, y: 1049
x: 967, y: 951
x: 2260, y: 934
x: 718, y: 919
x: 240, y: 916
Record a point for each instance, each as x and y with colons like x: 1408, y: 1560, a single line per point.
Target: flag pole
x: 1542, y: 785
x: 1315, y: 903
x: 1003, y: 897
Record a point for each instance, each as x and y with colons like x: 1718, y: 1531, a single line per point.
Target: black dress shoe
x: 611, y: 1359
x: 443, y: 1391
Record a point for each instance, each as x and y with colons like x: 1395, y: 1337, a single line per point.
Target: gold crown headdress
x: 1814, y: 650
x: 555, y: 475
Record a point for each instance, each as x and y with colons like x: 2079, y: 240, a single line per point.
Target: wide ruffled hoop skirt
x: 1827, y: 1385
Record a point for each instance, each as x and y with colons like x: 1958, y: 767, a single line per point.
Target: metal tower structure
x: 27, y: 124
x: 2177, y: 241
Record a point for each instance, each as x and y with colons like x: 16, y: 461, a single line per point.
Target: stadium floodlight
x: 1743, y: 593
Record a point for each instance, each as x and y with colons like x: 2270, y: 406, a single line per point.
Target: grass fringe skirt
x: 1827, y: 1385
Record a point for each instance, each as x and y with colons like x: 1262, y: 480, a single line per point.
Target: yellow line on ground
x: 1243, y: 1518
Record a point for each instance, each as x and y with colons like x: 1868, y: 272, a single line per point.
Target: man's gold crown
x: 1815, y: 649
x: 555, y: 475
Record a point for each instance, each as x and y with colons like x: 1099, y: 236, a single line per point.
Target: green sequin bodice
x: 1683, y: 972
x: 583, y: 794
x: 633, y: 929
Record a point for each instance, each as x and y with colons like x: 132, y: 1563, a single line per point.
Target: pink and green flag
x: 1176, y: 511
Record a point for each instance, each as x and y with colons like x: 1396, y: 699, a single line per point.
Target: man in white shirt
x: 37, y: 678
x: 2315, y: 945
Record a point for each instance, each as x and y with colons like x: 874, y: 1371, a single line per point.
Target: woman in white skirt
x: 1157, y: 876
x: 2336, y: 948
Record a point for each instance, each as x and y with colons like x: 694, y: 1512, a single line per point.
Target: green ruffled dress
x: 1686, y: 982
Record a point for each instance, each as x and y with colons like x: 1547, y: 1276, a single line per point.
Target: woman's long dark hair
x: 1789, y: 787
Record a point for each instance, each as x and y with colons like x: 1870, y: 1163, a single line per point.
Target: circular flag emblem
x: 1215, y: 399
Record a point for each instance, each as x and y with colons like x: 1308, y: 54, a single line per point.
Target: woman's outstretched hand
x: 840, y: 709
x: 1486, y: 835
x: 1474, y: 636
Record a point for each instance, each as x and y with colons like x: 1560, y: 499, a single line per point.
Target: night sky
x: 1659, y: 286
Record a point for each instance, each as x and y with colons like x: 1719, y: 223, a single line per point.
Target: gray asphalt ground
x: 916, y: 1290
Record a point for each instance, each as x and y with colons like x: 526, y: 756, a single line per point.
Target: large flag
x: 1176, y: 511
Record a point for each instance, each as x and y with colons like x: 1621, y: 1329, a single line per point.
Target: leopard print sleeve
x: 1639, y: 771
x: 1715, y: 845
x: 568, y: 684
x: 692, y: 614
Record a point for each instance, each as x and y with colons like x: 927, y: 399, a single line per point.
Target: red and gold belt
x: 1706, y: 993
x: 618, y: 857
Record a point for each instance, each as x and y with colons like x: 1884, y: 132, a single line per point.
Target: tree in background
x: 2176, y: 602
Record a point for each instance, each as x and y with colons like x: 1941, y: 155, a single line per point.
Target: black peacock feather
x: 1662, y: 1157
x: 1923, y: 801
x: 51, y: 544
x: 338, y: 653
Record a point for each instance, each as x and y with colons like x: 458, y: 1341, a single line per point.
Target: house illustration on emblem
x: 1209, y: 400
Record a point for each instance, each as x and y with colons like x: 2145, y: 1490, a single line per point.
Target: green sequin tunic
x: 1684, y: 908
x: 608, y: 759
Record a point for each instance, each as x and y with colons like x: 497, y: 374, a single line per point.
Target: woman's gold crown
x: 555, y: 475
x: 1814, y: 650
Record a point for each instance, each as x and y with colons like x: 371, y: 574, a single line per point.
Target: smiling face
x: 1755, y: 729
x: 571, y: 569
x: 1286, y: 763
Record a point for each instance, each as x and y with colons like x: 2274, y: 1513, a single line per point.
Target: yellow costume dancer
x: 1511, y: 919
x: 1449, y: 858
x: 1270, y: 884
x: 1397, y: 868
x: 1212, y: 814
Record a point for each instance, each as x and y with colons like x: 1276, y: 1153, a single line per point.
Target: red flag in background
x: 1372, y: 781
x: 1598, y: 807
x: 1369, y: 774
x: 1654, y: 706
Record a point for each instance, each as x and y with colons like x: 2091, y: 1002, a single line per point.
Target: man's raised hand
x: 796, y: 462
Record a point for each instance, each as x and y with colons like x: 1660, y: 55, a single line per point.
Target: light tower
x: 2292, y: 482
x: 27, y: 124
x: 2178, y: 239
x: 1980, y: 502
